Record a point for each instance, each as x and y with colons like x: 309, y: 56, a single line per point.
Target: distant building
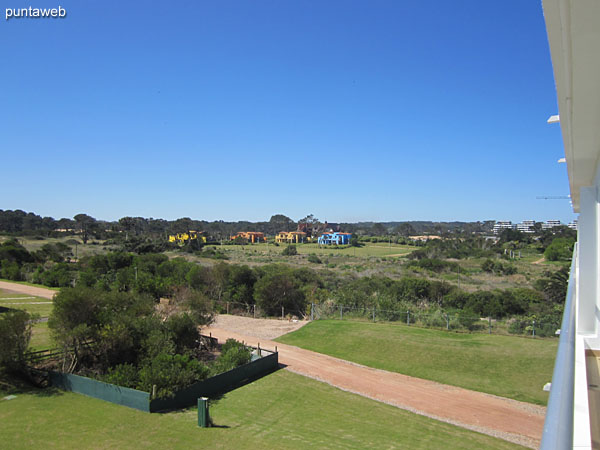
x: 182, y: 238
x: 526, y: 226
x: 334, y: 238
x: 573, y: 225
x: 250, y: 236
x: 549, y: 224
x: 290, y: 237
x: 502, y: 225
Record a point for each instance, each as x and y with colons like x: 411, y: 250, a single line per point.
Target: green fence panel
x: 186, y: 397
x: 103, y: 391
x: 218, y: 384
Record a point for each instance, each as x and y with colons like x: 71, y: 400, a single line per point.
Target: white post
x: 588, y: 261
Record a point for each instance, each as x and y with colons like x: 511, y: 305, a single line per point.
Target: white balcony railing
x: 558, y: 426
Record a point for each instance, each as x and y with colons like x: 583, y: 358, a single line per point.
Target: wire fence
x: 455, y: 321
x: 256, y: 312
x: 438, y: 319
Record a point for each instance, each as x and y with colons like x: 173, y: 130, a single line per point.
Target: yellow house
x: 181, y: 238
x: 290, y: 237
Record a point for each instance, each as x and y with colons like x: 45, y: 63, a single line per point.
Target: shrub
x: 122, y: 375
x: 15, y: 333
x: 314, y: 259
x: 184, y: 332
x: 170, y: 373
x: 290, y: 250
x: 233, y: 354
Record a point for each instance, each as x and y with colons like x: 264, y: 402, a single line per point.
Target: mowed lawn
x: 42, y: 307
x: 507, y: 366
x: 280, y: 411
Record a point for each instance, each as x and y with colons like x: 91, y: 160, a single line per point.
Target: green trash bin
x: 203, y: 417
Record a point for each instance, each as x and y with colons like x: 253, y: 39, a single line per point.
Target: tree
x: 128, y: 224
x: 85, y: 224
x: 377, y: 229
x: 15, y: 334
x: 405, y: 229
x: 277, y: 289
x: 279, y: 222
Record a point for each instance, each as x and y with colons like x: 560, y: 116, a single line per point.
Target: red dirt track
x: 518, y: 422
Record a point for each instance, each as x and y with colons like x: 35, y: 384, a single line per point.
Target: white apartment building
x: 549, y: 224
x: 502, y: 225
x: 526, y: 226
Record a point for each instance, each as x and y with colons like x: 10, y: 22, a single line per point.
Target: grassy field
x: 512, y: 367
x: 366, y: 251
x: 32, y: 244
x: 280, y: 411
x: 42, y: 307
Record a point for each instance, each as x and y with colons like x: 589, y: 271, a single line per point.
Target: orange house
x: 251, y: 236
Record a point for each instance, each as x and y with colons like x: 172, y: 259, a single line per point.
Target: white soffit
x: 573, y: 28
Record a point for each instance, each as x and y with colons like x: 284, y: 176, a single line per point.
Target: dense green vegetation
x: 512, y: 367
x: 273, y: 286
x: 280, y: 411
x: 120, y: 338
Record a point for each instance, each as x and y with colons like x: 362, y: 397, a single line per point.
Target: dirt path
x: 507, y: 419
x: 539, y: 261
x: 30, y: 290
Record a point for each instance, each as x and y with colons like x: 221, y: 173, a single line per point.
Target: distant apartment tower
x: 573, y: 225
x: 526, y: 226
x: 502, y: 225
x: 549, y: 224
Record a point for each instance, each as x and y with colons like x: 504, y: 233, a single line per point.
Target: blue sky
x: 238, y: 110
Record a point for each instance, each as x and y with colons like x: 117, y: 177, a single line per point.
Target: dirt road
x: 507, y: 419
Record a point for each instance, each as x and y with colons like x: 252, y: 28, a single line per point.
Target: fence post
x: 227, y: 307
x: 490, y: 324
x: 407, y: 317
x: 373, y: 314
x: 533, y: 329
x: 254, y: 311
x: 447, y: 323
x: 282, y: 313
x: 341, y: 313
x: 312, y: 312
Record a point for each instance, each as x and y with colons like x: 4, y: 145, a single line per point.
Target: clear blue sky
x: 237, y: 110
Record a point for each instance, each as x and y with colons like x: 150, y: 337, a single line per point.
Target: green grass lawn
x: 42, y: 307
x: 40, y: 337
x: 33, y: 305
x: 280, y: 411
x: 507, y: 366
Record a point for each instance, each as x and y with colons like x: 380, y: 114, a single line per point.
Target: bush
x: 233, y: 354
x: 170, y: 373
x: 314, y: 259
x: 184, y: 332
x: 560, y: 249
x: 122, y: 375
x: 290, y: 250
x: 15, y: 333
